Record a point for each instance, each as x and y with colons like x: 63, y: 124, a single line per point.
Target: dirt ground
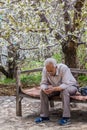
x: 7, y: 90
x: 10, y: 90
x: 78, y: 113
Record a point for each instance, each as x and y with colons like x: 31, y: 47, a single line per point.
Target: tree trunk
x: 11, y: 69
x: 70, y: 46
x: 10, y: 72
x: 12, y: 57
x: 69, y: 51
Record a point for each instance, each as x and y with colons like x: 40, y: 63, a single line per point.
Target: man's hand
x: 51, y: 89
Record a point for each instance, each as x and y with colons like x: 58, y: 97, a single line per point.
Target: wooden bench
x: 35, y: 92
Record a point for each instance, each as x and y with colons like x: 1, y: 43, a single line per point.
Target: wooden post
x: 18, y: 90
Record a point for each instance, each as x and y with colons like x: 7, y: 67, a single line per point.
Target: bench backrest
x: 18, y: 72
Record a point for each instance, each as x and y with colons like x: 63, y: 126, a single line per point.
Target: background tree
x: 42, y: 28
x: 69, y: 47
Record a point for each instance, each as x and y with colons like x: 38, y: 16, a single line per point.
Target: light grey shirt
x: 63, y: 77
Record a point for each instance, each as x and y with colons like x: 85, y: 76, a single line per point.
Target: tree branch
x: 80, y: 43
x: 67, y: 18
x: 38, y: 47
x: 44, y: 19
x: 2, y: 2
x: 15, y: 1
x: 3, y: 71
x: 5, y: 39
x: 77, y: 13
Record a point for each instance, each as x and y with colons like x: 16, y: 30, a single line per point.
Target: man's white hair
x: 50, y: 60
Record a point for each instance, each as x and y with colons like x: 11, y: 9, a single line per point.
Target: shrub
x: 31, y: 79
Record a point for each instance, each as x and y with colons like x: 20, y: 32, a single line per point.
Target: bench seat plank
x: 35, y: 92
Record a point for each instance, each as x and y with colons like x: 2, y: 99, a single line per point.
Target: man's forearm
x: 58, y: 88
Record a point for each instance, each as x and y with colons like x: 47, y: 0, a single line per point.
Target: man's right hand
x: 48, y: 90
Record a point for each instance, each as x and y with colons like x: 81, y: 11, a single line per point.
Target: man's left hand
x: 49, y: 90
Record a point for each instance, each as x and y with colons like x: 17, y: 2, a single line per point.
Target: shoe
x: 41, y: 119
x: 64, y: 121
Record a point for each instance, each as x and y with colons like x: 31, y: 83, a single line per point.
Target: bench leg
x: 51, y: 103
x: 18, y: 106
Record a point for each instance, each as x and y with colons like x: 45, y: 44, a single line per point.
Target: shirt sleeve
x: 67, y: 78
x: 44, y: 81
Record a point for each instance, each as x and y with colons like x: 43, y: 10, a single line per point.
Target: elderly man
x: 61, y: 80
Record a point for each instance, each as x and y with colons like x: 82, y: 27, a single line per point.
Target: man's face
x: 51, y: 69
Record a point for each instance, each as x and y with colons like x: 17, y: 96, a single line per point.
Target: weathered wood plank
x: 73, y: 70
x: 33, y: 70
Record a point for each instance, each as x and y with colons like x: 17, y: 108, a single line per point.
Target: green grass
x: 7, y: 81
x: 31, y: 79
x: 82, y: 79
x: 31, y: 65
x: 58, y: 57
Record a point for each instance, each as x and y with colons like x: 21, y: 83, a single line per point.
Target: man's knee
x: 64, y: 92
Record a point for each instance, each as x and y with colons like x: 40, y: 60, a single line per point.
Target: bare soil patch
x: 7, y: 90
x: 10, y: 90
